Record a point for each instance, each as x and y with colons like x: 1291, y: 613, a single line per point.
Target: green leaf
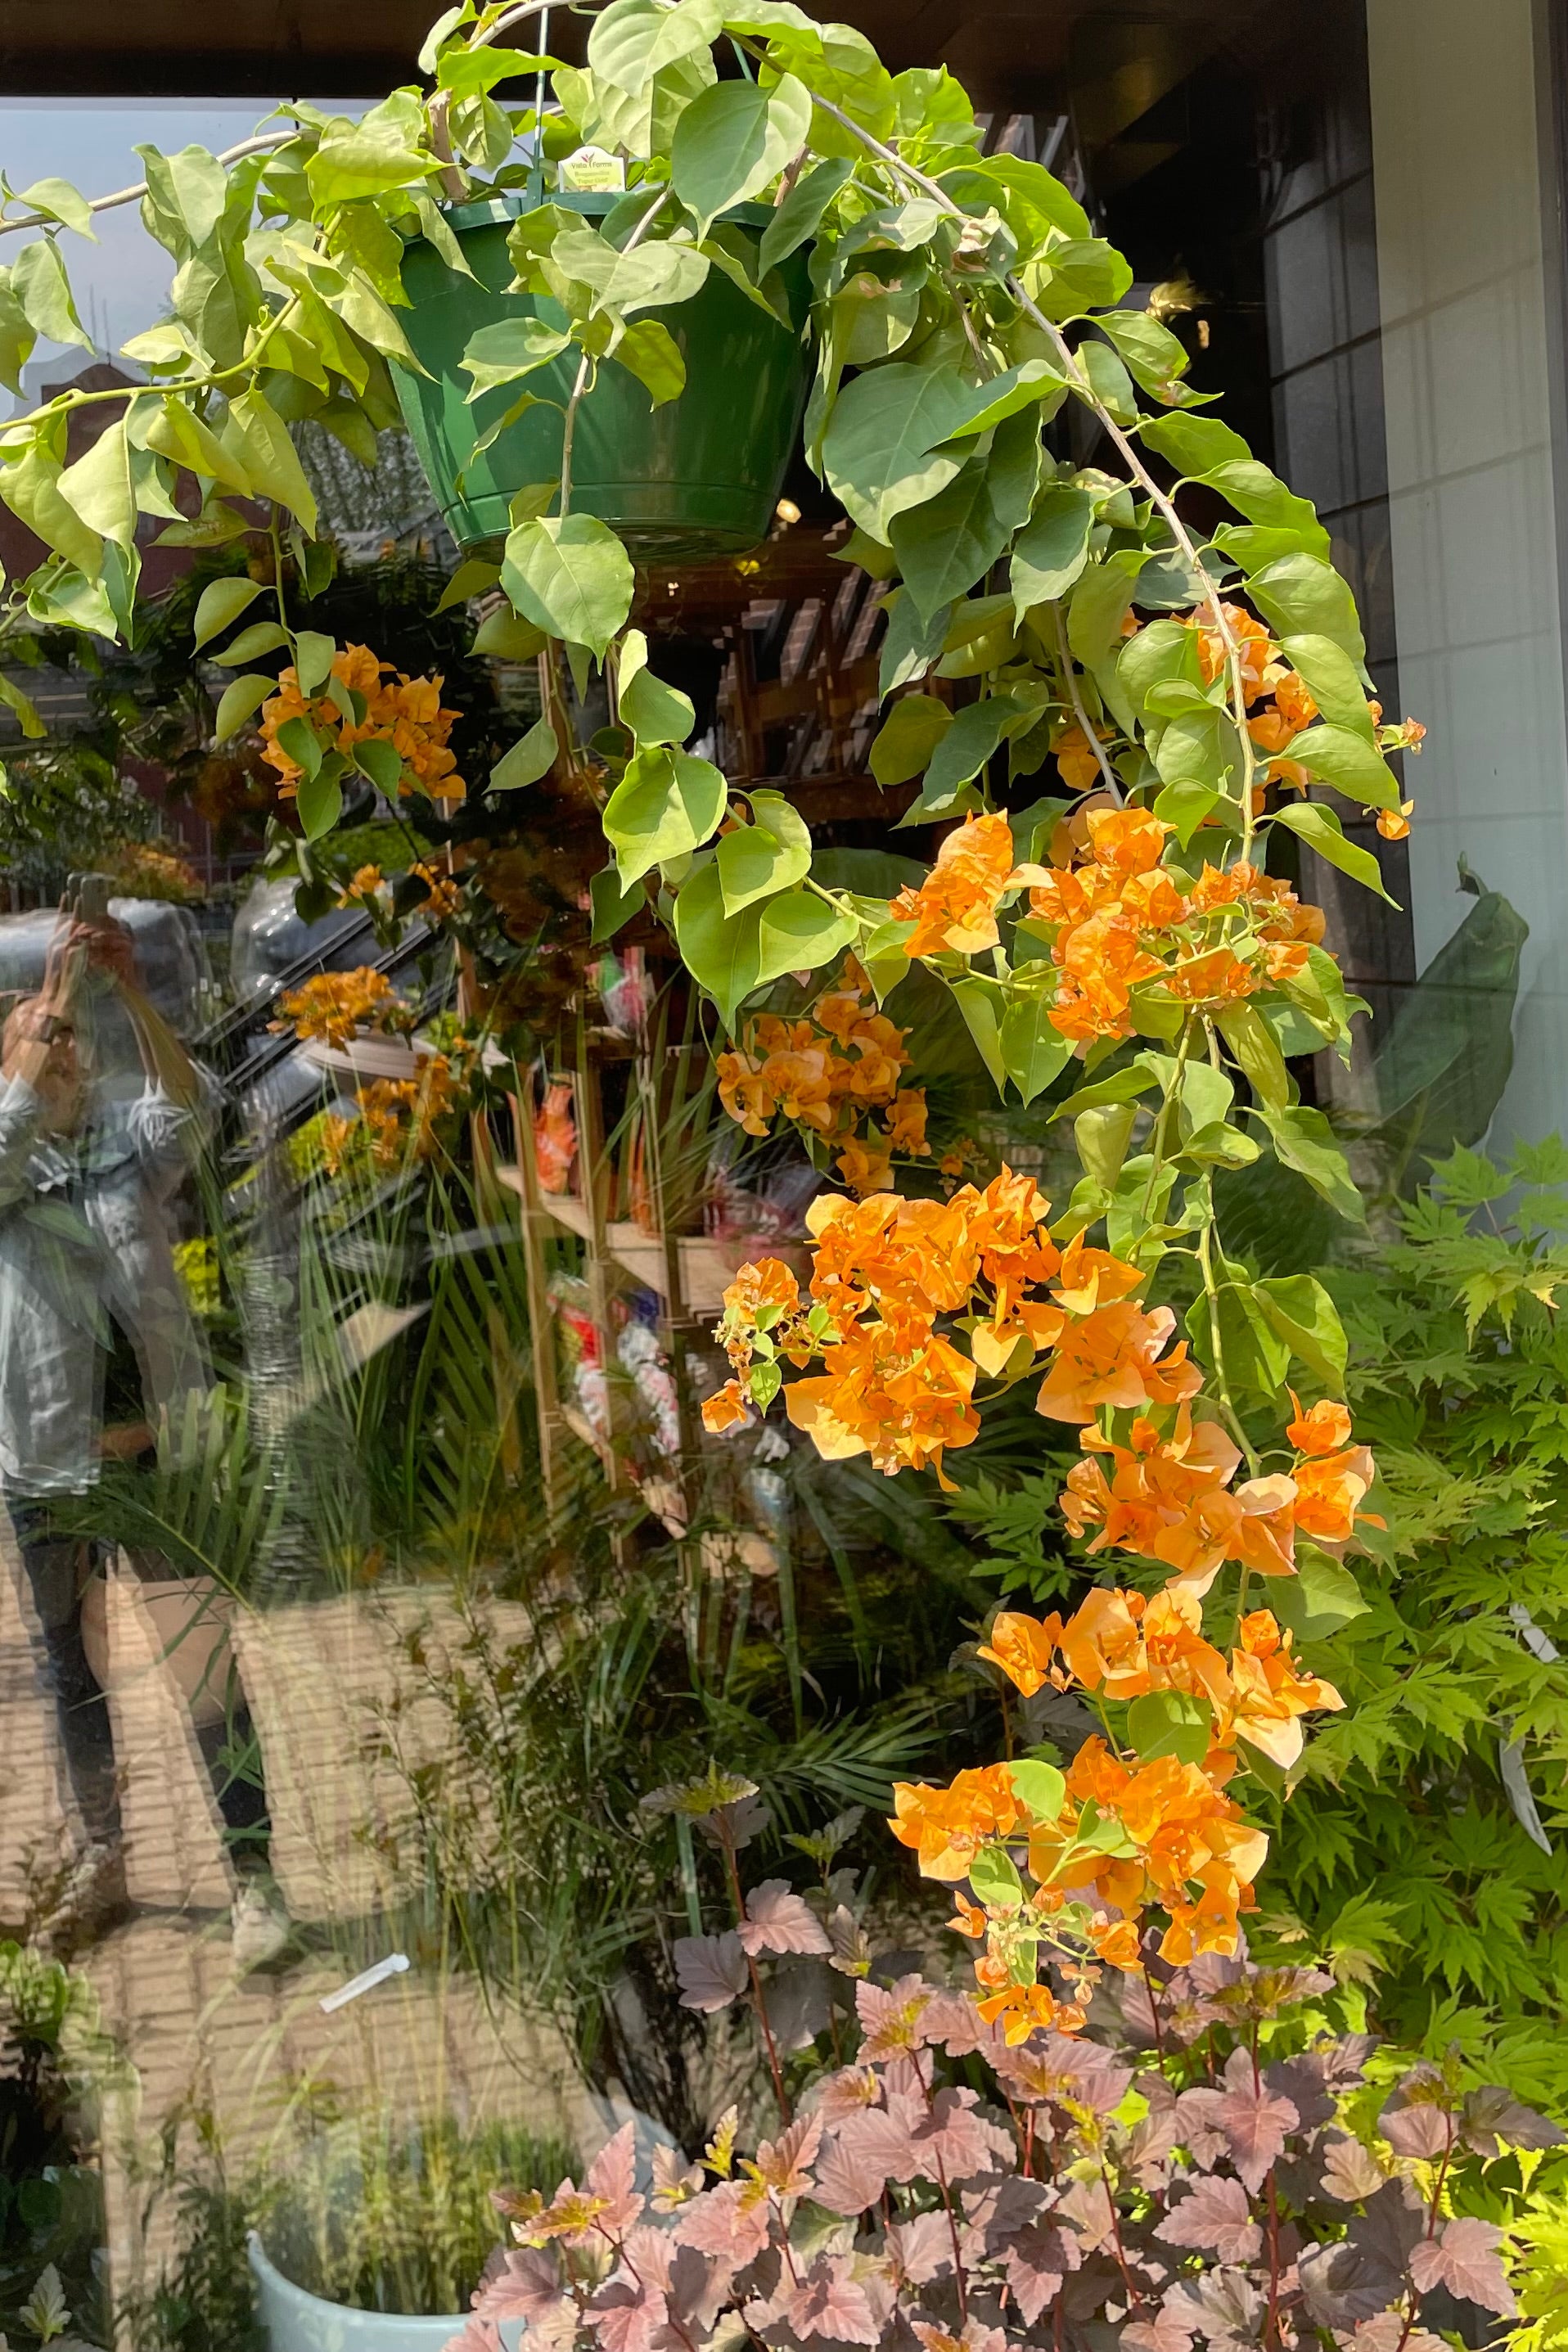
x: 800, y: 215
x: 1110, y: 382
x: 39, y: 283
x: 1303, y: 1314
x: 32, y: 491
x: 882, y: 453
x: 799, y: 932
x: 1333, y: 682
x: 1322, y: 830
x: 1102, y: 1138
x: 906, y: 737
x: 1305, y: 1141
x: 648, y: 349
x: 1258, y: 1055
x: 1165, y: 653
x: 1343, y: 757
x: 656, y: 713
x: 221, y: 602
x: 1157, y: 359
x: 1101, y: 601
x: 647, y: 277
x: 569, y: 576
x: 1034, y: 1051
x: 504, y: 637
x: 101, y: 488
x: 1199, y: 758
x: 373, y: 156
x: 666, y: 806
x: 531, y: 757
x: 1300, y: 595
x: 910, y: 645
x: 1123, y: 1086
x: 721, y: 952
x: 240, y: 698
x: 1051, y: 551
x: 509, y: 349
x: 951, y: 540
x: 314, y: 653
x: 994, y: 1879
x: 471, y: 578
x: 257, y: 436
x: 1038, y: 1786
x: 177, y: 434
x: 968, y: 743
x: 733, y: 139
x: 612, y: 905
x: 1085, y: 274
x: 320, y: 803
x: 61, y: 202
x: 1169, y: 1722
x: 632, y: 40
x: 303, y: 745
x: 768, y: 855
x: 1263, y: 498
x: 474, y: 73
x: 380, y: 760
x: 1195, y: 444
x: 1320, y: 1597
x: 981, y: 1002
x: 33, y: 727
x: 261, y: 637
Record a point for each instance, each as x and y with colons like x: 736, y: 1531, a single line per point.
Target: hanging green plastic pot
x: 698, y: 476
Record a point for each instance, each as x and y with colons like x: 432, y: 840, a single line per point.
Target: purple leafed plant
x: 1210, y: 2163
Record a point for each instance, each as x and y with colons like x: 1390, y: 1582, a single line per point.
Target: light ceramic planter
x: 371, y: 1057
x: 296, y: 2321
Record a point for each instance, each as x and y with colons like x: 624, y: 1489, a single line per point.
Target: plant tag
x: 393, y: 1966
x: 591, y: 171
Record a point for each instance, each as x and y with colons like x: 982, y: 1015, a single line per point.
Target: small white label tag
x: 393, y: 1966
x: 591, y: 171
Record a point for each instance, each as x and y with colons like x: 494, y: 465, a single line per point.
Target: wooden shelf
x: 707, y: 1267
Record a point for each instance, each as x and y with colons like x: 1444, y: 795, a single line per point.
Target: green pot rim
x: 512, y: 204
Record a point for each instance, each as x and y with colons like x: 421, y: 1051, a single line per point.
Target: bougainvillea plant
x: 1191, y: 694
x: 1217, y: 2160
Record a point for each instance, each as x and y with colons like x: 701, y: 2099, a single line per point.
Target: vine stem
x: 758, y: 2001
x: 584, y: 366
x: 1091, y: 735
x: 128, y: 195
x: 1163, y: 501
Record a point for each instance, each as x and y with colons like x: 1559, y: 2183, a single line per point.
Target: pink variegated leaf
x: 777, y: 1920
x: 784, y: 2164
x: 712, y: 1969
x: 733, y: 2221
x: 479, y: 2335
x: 1252, y: 2120
x: 675, y: 2182
x: 974, y: 2336
x: 953, y: 2142
x: 610, y: 2176
x: 848, y: 2092
x: 521, y: 2283
x: 829, y: 2302
x: 627, y: 2315
x: 1463, y: 2257
x: 1215, y: 2218
x: 1037, y: 2259
x: 921, y: 2248
x: 1350, y: 2171
x: 866, y: 2150
x: 1169, y: 2330
x: 892, y: 2016
x: 1424, y: 2130
x: 1391, y: 2332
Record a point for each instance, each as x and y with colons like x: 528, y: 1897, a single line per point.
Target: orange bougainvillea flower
x: 907, y: 1122
x: 1127, y: 841
x: 1024, y: 1647
x: 1394, y: 825
x: 1076, y: 758
x: 947, y: 1827
x: 1216, y: 977
x: 1329, y: 1490
x: 1113, y: 1357
x: 968, y: 1918
x: 336, y: 1006
x: 1322, y: 1428
x: 1269, y: 1695
x: 725, y: 1410
x: 1026, y: 2008
x: 403, y: 711
x: 1115, y: 1941
x: 954, y: 909
x: 864, y: 1168
x: 1293, y: 700
x: 1251, y: 639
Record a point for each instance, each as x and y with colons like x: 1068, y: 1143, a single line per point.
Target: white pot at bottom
x: 296, y: 2321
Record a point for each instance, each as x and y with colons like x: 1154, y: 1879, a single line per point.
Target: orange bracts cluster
x: 388, y: 707
x: 336, y: 1006
x: 399, y: 1119
x: 1167, y: 1495
x: 839, y: 1074
x: 886, y: 1270
x: 954, y: 909
x: 1118, y: 1833
x: 1117, y: 918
